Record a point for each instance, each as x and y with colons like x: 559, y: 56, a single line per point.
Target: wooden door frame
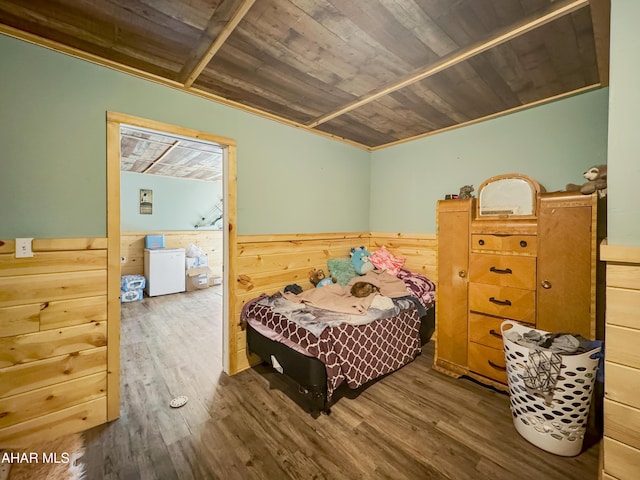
x: 114, y: 121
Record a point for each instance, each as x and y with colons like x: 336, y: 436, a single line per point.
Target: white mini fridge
x: 164, y: 270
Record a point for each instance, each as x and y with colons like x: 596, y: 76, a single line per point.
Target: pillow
x: 383, y: 259
x: 342, y: 269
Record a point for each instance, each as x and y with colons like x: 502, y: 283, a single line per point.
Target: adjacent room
x: 319, y: 239
x: 171, y: 198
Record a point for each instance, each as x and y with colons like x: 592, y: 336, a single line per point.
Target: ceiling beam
x: 559, y: 9
x: 219, y: 41
x: 164, y: 154
x: 601, y: 20
x: 184, y: 147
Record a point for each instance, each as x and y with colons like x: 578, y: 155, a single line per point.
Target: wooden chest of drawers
x: 540, y: 272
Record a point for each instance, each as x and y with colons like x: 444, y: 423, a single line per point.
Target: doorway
x: 115, y: 121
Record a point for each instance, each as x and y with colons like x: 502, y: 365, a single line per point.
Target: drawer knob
x: 501, y: 271
x: 496, y: 366
x: 546, y: 284
x: 505, y: 303
x: 481, y: 242
x: 462, y: 274
x: 523, y: 243
x: 495, y: 334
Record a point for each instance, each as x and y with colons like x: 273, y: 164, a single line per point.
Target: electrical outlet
x: 23, y: 247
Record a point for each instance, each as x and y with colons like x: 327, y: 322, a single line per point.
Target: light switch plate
x: 23, y: 247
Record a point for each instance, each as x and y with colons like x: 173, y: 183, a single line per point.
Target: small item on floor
x: 178, y: 402
x: 4, y: 470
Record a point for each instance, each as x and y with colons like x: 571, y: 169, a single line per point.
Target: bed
x: 322, y: 349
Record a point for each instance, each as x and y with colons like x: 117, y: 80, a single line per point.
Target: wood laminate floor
x: 413, y: 424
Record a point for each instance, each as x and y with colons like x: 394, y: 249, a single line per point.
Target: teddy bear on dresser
x: 465, y: 191
x: 596, y: 182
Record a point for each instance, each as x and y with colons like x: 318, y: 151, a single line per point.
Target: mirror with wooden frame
x: 508, y: 196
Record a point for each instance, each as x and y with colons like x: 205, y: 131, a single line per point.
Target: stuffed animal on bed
x: 293, y: 288
x: 363, y: 289
x: 360, y: 259
x: 318, y: 279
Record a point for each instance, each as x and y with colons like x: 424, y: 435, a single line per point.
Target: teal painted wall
x: 53, y: 163
x: 553, y: 143
x: 289, y: 181
x: 178, y: 203
x: 624, y: 136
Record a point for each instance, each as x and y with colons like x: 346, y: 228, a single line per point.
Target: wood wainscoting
x: 621, y: 444
x: 419, y: 250
x: 53, y: 339
x: 59, y: 354
x: 268, y: 263
x: 132, y: 248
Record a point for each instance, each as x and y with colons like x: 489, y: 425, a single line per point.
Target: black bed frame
x: 309, y: 373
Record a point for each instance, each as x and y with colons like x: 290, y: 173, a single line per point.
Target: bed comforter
x: 351, y: 353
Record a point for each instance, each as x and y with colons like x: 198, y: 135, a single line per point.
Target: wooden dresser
x: 538, y: 269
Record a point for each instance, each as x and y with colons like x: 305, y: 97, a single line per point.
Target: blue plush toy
x: 360, y: 259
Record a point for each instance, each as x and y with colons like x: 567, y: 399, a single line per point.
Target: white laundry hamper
x: 558, y: 422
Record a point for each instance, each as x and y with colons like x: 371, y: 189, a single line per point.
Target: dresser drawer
x: 485, y: 330
x: 504, y: 302
x: 503, y: 270
x: 488, y: 362
x: 510, y: 244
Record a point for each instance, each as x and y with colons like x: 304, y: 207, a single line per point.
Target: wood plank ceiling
x: 155, y: 153
x: 372, y: 72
